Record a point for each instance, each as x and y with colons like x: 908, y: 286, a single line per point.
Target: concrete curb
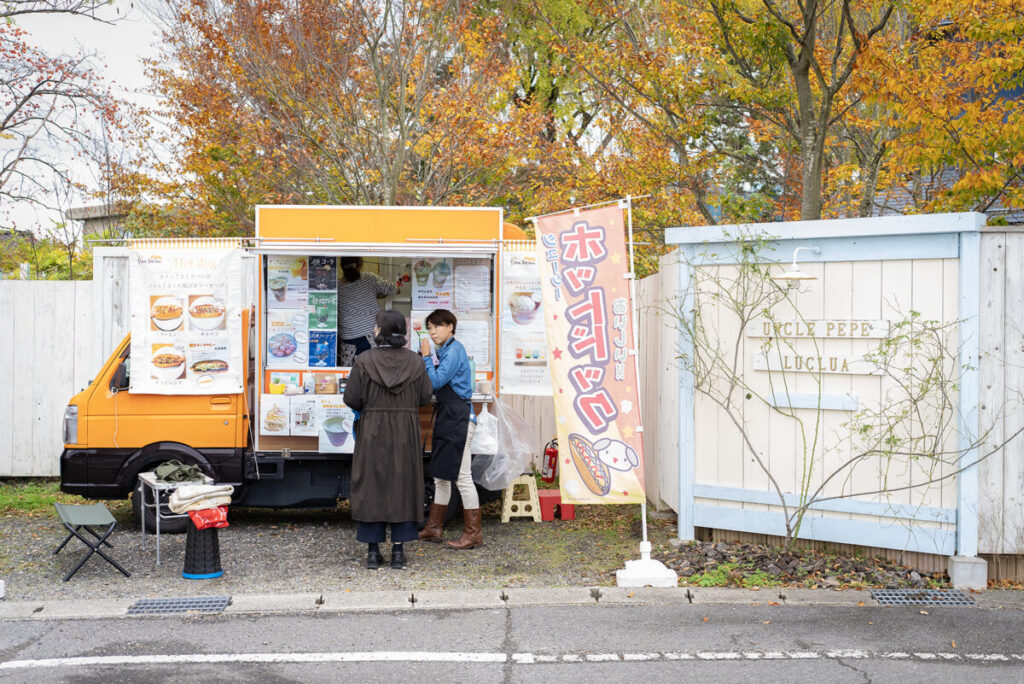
x: 475, y: 599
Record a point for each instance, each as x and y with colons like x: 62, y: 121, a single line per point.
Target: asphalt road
x: 565, y: 643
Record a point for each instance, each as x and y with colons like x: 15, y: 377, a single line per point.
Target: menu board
x: 287, y: 337
x: 186, y: 321
x: 302, y: 421
x: 335, y: 422
x: 475, y: 336
x: 323, y: 274
x: 322, y: 348
x: 274, y: 414
x: 287, y: 282
x: 524, y: 342
x: 472, y: 287
x: 432, y: 284
x: 417, y: 328
x: 323, y: 311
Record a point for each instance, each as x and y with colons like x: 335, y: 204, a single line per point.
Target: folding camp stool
x: 78, y: 518
x: 528, y: 507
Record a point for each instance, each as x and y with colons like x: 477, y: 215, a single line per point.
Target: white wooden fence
x: 46, y: 356
x: 53, y: 337
x: 944, y: 267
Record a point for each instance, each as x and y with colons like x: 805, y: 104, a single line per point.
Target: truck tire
x: 172, y: 526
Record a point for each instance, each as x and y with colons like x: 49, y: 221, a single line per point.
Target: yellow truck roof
x: 350, y: 224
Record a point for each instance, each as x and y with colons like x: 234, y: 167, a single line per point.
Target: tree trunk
x: 811, y: 136
x: 869, y: 170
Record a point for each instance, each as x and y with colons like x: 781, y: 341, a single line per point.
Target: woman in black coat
x: 387, y: 386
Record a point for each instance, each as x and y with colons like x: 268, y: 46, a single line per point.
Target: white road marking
x: 492, y: 657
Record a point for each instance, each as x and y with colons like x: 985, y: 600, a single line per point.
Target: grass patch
x: 719, y: 576
x: 732, y: 574
x: 32, y: 496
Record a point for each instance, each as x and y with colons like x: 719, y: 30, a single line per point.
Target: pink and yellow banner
x: 586, y: 295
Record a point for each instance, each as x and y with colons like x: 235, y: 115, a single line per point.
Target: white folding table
x: 154, y: 487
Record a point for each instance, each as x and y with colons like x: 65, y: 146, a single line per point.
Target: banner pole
x: 644, y: 550
x: 645, y: 572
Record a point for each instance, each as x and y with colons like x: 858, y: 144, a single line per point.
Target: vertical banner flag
x: 586, y: 303
x: 186, y: 321
x: 524, y: 343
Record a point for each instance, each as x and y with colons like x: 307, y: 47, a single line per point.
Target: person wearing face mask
x: 387, y: 386
x: 357, y: 303
x: 454, y: 425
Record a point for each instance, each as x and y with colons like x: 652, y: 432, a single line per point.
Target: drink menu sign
x: 186, y: 321
x: 586, y: 301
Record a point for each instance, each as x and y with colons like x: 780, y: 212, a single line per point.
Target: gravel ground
x: 266, y: 551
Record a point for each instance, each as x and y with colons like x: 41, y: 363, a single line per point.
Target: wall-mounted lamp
x: 793, y: 275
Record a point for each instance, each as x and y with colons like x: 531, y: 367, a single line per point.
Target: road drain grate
x: 921, y: 597
x: 166, y: 606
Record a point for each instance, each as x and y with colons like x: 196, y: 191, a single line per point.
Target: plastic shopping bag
x: 516, y: 447
x: 485, y: 439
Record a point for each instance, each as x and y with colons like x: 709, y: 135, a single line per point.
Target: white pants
x: 443, y: 488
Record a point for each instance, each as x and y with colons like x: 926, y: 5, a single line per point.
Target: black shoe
x: 373, y: 560
x: 397, y: 557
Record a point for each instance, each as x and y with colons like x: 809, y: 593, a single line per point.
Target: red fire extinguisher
x: 550, y: 461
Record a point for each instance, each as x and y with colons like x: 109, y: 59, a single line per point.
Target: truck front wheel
x: 171, y: 526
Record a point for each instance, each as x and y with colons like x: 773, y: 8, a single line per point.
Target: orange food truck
x: 235, y: 362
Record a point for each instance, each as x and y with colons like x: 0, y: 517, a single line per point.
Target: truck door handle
x: 220, y: 400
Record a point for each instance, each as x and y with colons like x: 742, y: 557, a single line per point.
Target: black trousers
x: 375, y: 532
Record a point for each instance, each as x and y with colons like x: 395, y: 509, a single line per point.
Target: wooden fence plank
x: 991, y: 392
x: 1013, y: 377
x: 23, y: 385
x: 55, y: 341
x: 85, y: 366
x: 8, y: 398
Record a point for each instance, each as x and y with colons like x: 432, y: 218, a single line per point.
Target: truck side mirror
x: 119, y: 381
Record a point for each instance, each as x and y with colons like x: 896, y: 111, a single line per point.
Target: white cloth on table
x: 197, y: 497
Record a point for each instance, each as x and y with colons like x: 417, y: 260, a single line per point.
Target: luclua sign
x: 777, y: 355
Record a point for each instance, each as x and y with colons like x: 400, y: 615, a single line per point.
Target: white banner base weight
x: 646, y: 572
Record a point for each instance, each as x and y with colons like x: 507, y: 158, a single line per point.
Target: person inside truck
x: 357, y: 303
x: 454, y: 425
x: 387, y: 385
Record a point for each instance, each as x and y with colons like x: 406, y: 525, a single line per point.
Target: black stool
x: 202, y: 553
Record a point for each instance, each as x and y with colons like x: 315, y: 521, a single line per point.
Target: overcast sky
x: 120, y: 46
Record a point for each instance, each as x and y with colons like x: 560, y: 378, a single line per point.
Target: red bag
x: 210, y: 517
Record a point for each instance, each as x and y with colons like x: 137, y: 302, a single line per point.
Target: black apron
x: 451, y: 425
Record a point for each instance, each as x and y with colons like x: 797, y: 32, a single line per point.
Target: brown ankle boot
x: 434, y: 529
x: 472, y: 535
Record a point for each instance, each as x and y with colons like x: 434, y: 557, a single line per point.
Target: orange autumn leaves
x: 534, y: 105
x: 339, y: 103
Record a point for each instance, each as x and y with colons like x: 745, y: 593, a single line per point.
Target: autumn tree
x: 49, y: 107
x: 395, y: 102
x: 52, y: 111
x: 12, y: 9
x: 953, y: 95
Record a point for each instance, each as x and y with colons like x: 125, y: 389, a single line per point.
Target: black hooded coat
x: 387, y: 386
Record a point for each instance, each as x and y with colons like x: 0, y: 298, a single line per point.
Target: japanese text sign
x: 586, y: 302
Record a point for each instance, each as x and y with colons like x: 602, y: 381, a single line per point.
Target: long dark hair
x: 392, y: 329
x: 350, y: 268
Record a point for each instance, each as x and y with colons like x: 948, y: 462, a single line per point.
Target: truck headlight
x: 71, y: 425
